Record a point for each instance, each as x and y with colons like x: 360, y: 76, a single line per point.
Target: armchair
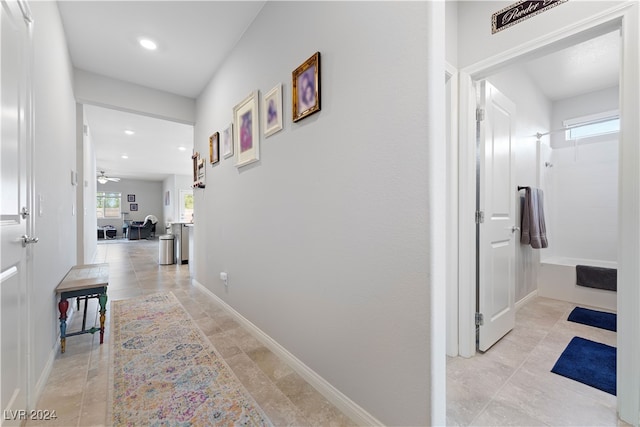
x: 139, y: 231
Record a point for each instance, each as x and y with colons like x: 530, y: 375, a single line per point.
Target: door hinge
x: 479, y: 217
x: 479, y: 319
x: 479, y: 114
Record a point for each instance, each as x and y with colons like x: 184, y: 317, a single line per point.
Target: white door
x: 15, y: 141
x: 497, y: 222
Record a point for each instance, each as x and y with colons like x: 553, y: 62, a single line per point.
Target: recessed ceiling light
x: 181, y: 148
x: 148, y: 44
x: 129, y: 132
x: 124, y: 156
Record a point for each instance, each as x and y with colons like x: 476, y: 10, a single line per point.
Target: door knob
x: 26, y: 240
x: 514, y: 228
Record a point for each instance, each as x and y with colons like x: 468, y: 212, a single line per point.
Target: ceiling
x: 194, y: 37
x: 153, y: 151
x: 586, y: 67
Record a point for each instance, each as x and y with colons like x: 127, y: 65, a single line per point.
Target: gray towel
x: 597, y: 277
x: 534, y: 230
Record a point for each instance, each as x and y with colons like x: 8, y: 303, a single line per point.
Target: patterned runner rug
x: 167, y: 373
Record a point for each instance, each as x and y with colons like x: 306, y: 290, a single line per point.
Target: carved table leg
x: 63, y: 306
x: 102, y: 299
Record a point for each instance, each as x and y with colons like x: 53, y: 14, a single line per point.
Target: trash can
x: 165, y: 255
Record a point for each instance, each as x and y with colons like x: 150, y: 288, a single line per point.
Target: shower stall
x: 579, y: 176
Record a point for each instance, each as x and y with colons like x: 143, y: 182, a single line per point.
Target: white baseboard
x: 332, y: 394
x: 38, y: 388
x: 524, y: 301
x: 44, y: 375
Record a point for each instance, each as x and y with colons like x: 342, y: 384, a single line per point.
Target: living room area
x: 134, y: 209
x: 142, y: 165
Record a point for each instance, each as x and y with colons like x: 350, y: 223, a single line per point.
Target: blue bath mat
x: 599, y: 319
x: 589, y: 362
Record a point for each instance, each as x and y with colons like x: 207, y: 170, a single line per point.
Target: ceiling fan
x: 103, y: 179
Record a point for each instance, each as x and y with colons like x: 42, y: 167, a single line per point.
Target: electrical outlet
x: 224, y: 278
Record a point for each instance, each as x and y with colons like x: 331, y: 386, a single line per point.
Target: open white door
x: 496, y: 217
x: 15, y: 141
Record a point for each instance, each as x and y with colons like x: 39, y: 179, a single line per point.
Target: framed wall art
x: 198, y: 170
x: 305, y: 81
x: 133, y: 207
x: 246, y: 121
x: 227, y: 141
x: 214, y: 148
x: 131, y: 198
x: 272, y: 111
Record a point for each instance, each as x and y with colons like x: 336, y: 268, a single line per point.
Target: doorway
x: 145, y: 162
x: 541, y: 331
x: 624, y: 20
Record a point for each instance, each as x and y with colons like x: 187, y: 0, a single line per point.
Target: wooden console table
x: 83, y: 282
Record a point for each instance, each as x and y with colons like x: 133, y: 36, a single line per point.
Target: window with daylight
x: 593, y: 125
x: 108, y: 205
x: 186, y: 205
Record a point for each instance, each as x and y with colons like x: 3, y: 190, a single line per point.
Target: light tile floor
x: 512, y: 384
x: 77, y: 388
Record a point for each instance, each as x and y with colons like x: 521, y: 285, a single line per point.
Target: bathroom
x: 579, y: 178
x: 567, y: 127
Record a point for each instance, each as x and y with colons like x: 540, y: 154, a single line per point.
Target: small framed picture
x: 198, y: 170
x: 272, y: 111
x: 214, y: 148
x: 131, y: 198
x: 227, y: 141
x: 246, y: 121
x: 133, y: 207
x: 306, y: 88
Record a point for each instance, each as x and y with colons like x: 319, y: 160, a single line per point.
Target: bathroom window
x: 593, y: 125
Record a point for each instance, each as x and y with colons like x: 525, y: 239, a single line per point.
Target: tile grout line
x: 515, y: 371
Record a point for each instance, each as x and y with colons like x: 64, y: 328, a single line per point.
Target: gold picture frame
x: 305, y: 81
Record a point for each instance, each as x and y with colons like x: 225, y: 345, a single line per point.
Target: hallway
x: 77, y: 389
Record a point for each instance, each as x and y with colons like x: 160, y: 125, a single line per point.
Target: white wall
x: 87, y: 185
x: 325, y: 238
x: 173, y: 185
x: 582, y: 186
x: 169, y: 211
x: 476, y: 43
x: 533, y: 114
x: 55, y: 158
x: 91, y: 88
x: 451, y: 35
